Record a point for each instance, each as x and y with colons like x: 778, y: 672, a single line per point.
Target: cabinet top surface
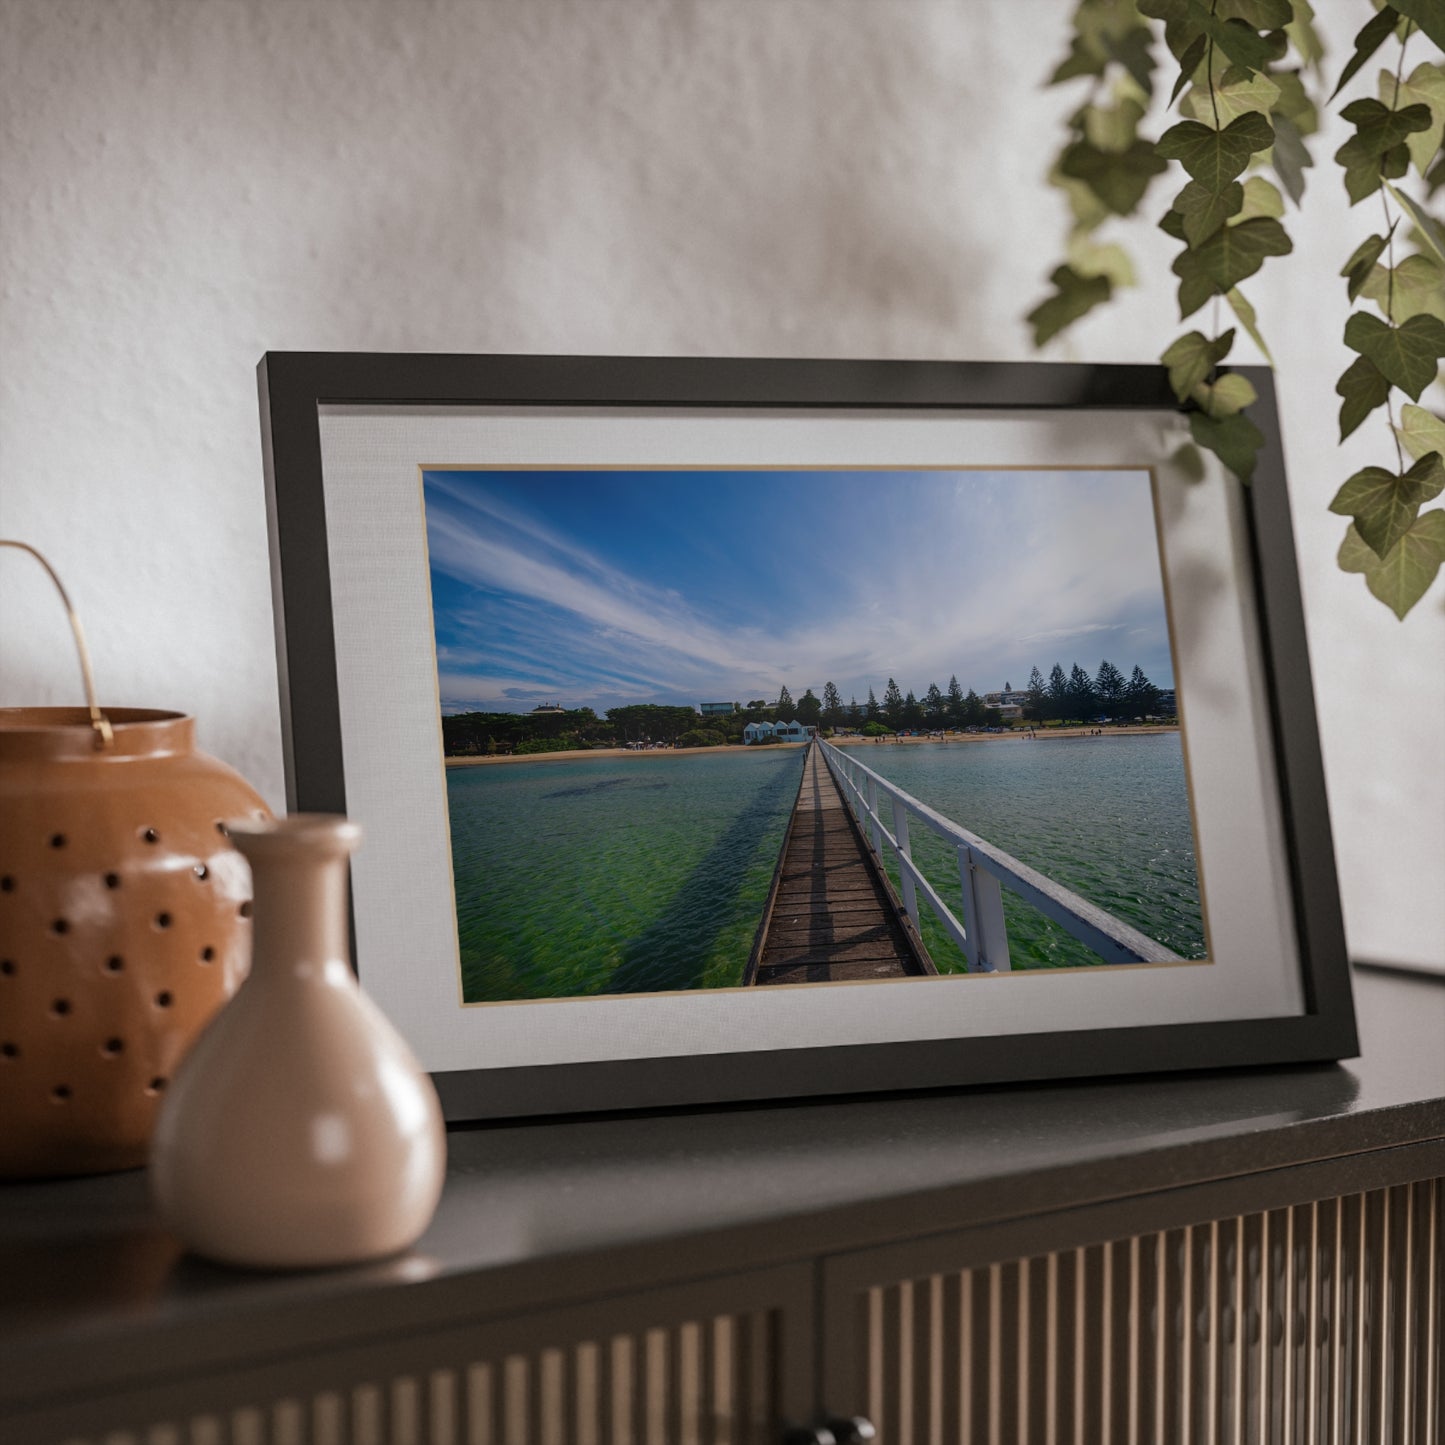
x: 573, y: 1203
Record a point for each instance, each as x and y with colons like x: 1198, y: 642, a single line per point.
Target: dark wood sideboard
x: 1248, y: 1255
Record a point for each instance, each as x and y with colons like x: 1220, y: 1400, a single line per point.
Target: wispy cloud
x: 913, y: 577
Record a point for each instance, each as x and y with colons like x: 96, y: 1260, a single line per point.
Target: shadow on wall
x: 686, y: 179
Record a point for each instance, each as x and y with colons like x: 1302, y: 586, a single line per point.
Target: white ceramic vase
x: 299, y: 1131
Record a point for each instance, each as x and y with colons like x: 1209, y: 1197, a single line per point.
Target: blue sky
x: 596, y: 588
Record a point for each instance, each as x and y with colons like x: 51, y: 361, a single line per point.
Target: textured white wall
x: 185, y: 185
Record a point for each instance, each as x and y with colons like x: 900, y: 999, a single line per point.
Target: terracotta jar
x: 123, y: 926
x: 300, y: 1130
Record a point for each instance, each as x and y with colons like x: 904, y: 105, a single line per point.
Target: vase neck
x: 299, y: 873
x: 300, y: 911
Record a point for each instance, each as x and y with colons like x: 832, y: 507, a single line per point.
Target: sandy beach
x: 1042, y: 735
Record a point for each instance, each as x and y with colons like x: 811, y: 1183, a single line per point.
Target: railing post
x: 986, y: 914
x: 970, y: 909
x: 873, y: 821
x: 900, y: 831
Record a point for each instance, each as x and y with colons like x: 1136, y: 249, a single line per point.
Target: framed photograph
x: 729, y: 729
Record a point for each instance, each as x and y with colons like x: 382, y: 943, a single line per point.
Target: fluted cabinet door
x: 723, y: 1361
x: 1309, y: 1324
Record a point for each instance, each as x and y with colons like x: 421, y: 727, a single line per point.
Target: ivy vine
x: 1241, y: 91
x: 1393, y: 538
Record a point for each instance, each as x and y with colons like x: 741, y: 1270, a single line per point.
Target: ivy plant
x: 1240, y: 88
x: 1395, y: 539
x: 1106, y: 166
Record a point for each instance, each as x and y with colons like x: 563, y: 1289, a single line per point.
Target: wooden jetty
x: 833, y: 915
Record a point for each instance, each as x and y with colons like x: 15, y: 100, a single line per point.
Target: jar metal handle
x: 104, y: 737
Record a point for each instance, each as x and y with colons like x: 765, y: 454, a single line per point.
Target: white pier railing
x: 983, y: 873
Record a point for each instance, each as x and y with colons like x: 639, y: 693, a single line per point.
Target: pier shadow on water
x: 673, y: 952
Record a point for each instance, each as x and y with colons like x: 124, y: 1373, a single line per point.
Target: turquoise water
x: 1106, y: 816
x: 615, y: 875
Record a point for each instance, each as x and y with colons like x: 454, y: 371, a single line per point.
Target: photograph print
x: 708, y: 729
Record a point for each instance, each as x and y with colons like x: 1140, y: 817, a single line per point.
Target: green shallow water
x: 648, y: 874
x: 615, y: 875
x: 1105, y: 816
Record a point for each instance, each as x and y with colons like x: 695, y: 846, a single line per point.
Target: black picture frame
x: 295, y: 387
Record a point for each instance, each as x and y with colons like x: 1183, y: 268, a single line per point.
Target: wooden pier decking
x: 833, y: 916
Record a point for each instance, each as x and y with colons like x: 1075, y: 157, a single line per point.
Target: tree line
x: 1074, y: 696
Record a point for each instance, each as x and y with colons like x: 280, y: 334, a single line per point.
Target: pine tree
x: 912, y: 711
x: 1109, y: 684
x: 1058, y: 692
x: 832, y: 706
x: 785, y: 708
x: 872, y: 707
x: 973, y: 710
x: 855, y: 713
x: 955, y: 702
x: 893, y: 705
x: 934, y: 707
x: 1082, y: 702
x: 809, y: 709
x: 1141, y: 697
x: 1034, y: 708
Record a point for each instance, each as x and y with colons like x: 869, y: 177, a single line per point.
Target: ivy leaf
x: 1226, y: 258
x: 1113, y: 128
x: 1239, y: 91
x: 1193, y: 357
x: 1384, y: 506
x: 1235, y: 440
x: 1238, y: 39
x: 1204, y: 211
x: 1363, y: 389
x: 1291, y: 158
x: 1075, y: 296
x: 1407, y: 355
x: 1088, y: 211
x: 1419, y: 288
x: 1226, y: 396
x: 1089, y: 258
x: 1420, y: 431
x: 1260, y: 199
x: 1429, y: 15
x: 1245, y: 312
x: 1189, y: 62
x: 1378, y: 128
x: 1181, y: 25
x: 1364, y: 176
x: 1216, y: 157
x: 1301, y: 31
x: 1367, y: 42
x: 1082, y: 59
x: 1134, y: 51
x: 1362, y: 261
x: 1403, y: 576
x: 1118, y: 178
x: 1426, y: 86
x: 1172, y: 224
x: 1294, y: 101
x: 1377, y: 147
x: 1430, y: 228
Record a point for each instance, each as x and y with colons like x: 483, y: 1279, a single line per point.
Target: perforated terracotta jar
x: 124, y: 915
